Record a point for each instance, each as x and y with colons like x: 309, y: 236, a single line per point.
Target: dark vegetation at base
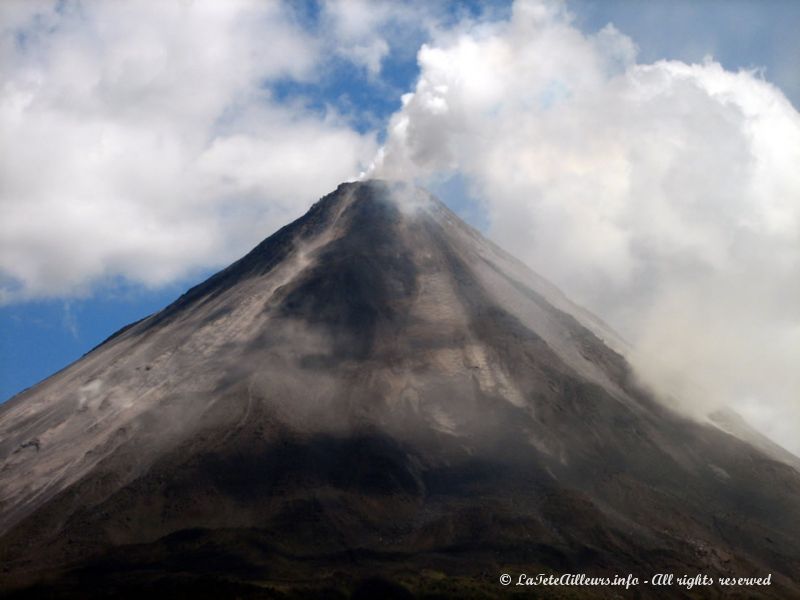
x: 425, y: 585
x: 466, y: 523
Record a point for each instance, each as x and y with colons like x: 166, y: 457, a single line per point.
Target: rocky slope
x: 374, y: 391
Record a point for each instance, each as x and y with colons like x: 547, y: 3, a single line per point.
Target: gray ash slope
x: 373, y: 389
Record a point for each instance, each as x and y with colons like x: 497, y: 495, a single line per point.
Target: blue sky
x: 159, y: 159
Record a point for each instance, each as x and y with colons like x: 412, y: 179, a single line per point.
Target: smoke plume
x: 665, y: 197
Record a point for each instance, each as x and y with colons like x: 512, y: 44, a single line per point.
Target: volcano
x: 377, y: 401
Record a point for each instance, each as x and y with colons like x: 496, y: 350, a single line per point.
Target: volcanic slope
x: 374, y: 391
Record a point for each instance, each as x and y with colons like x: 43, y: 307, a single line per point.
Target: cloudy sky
x: 641, y: 155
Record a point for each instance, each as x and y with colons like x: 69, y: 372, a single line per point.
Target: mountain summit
x: 374, y: 390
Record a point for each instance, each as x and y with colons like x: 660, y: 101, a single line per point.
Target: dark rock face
x: 375, y: 401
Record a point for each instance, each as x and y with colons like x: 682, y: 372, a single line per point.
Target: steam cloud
x: 665, y: 197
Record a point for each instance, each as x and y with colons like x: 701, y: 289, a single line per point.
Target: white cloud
x: 366, y: 32
x: 357, y: 25
x: 141, y: 140
x: 664, y: 196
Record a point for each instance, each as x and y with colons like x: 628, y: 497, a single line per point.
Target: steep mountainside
x: 374, y: 390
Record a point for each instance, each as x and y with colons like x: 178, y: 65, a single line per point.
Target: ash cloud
x: 665, y: 197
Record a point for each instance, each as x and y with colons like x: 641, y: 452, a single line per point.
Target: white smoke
x: 665, y: 196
